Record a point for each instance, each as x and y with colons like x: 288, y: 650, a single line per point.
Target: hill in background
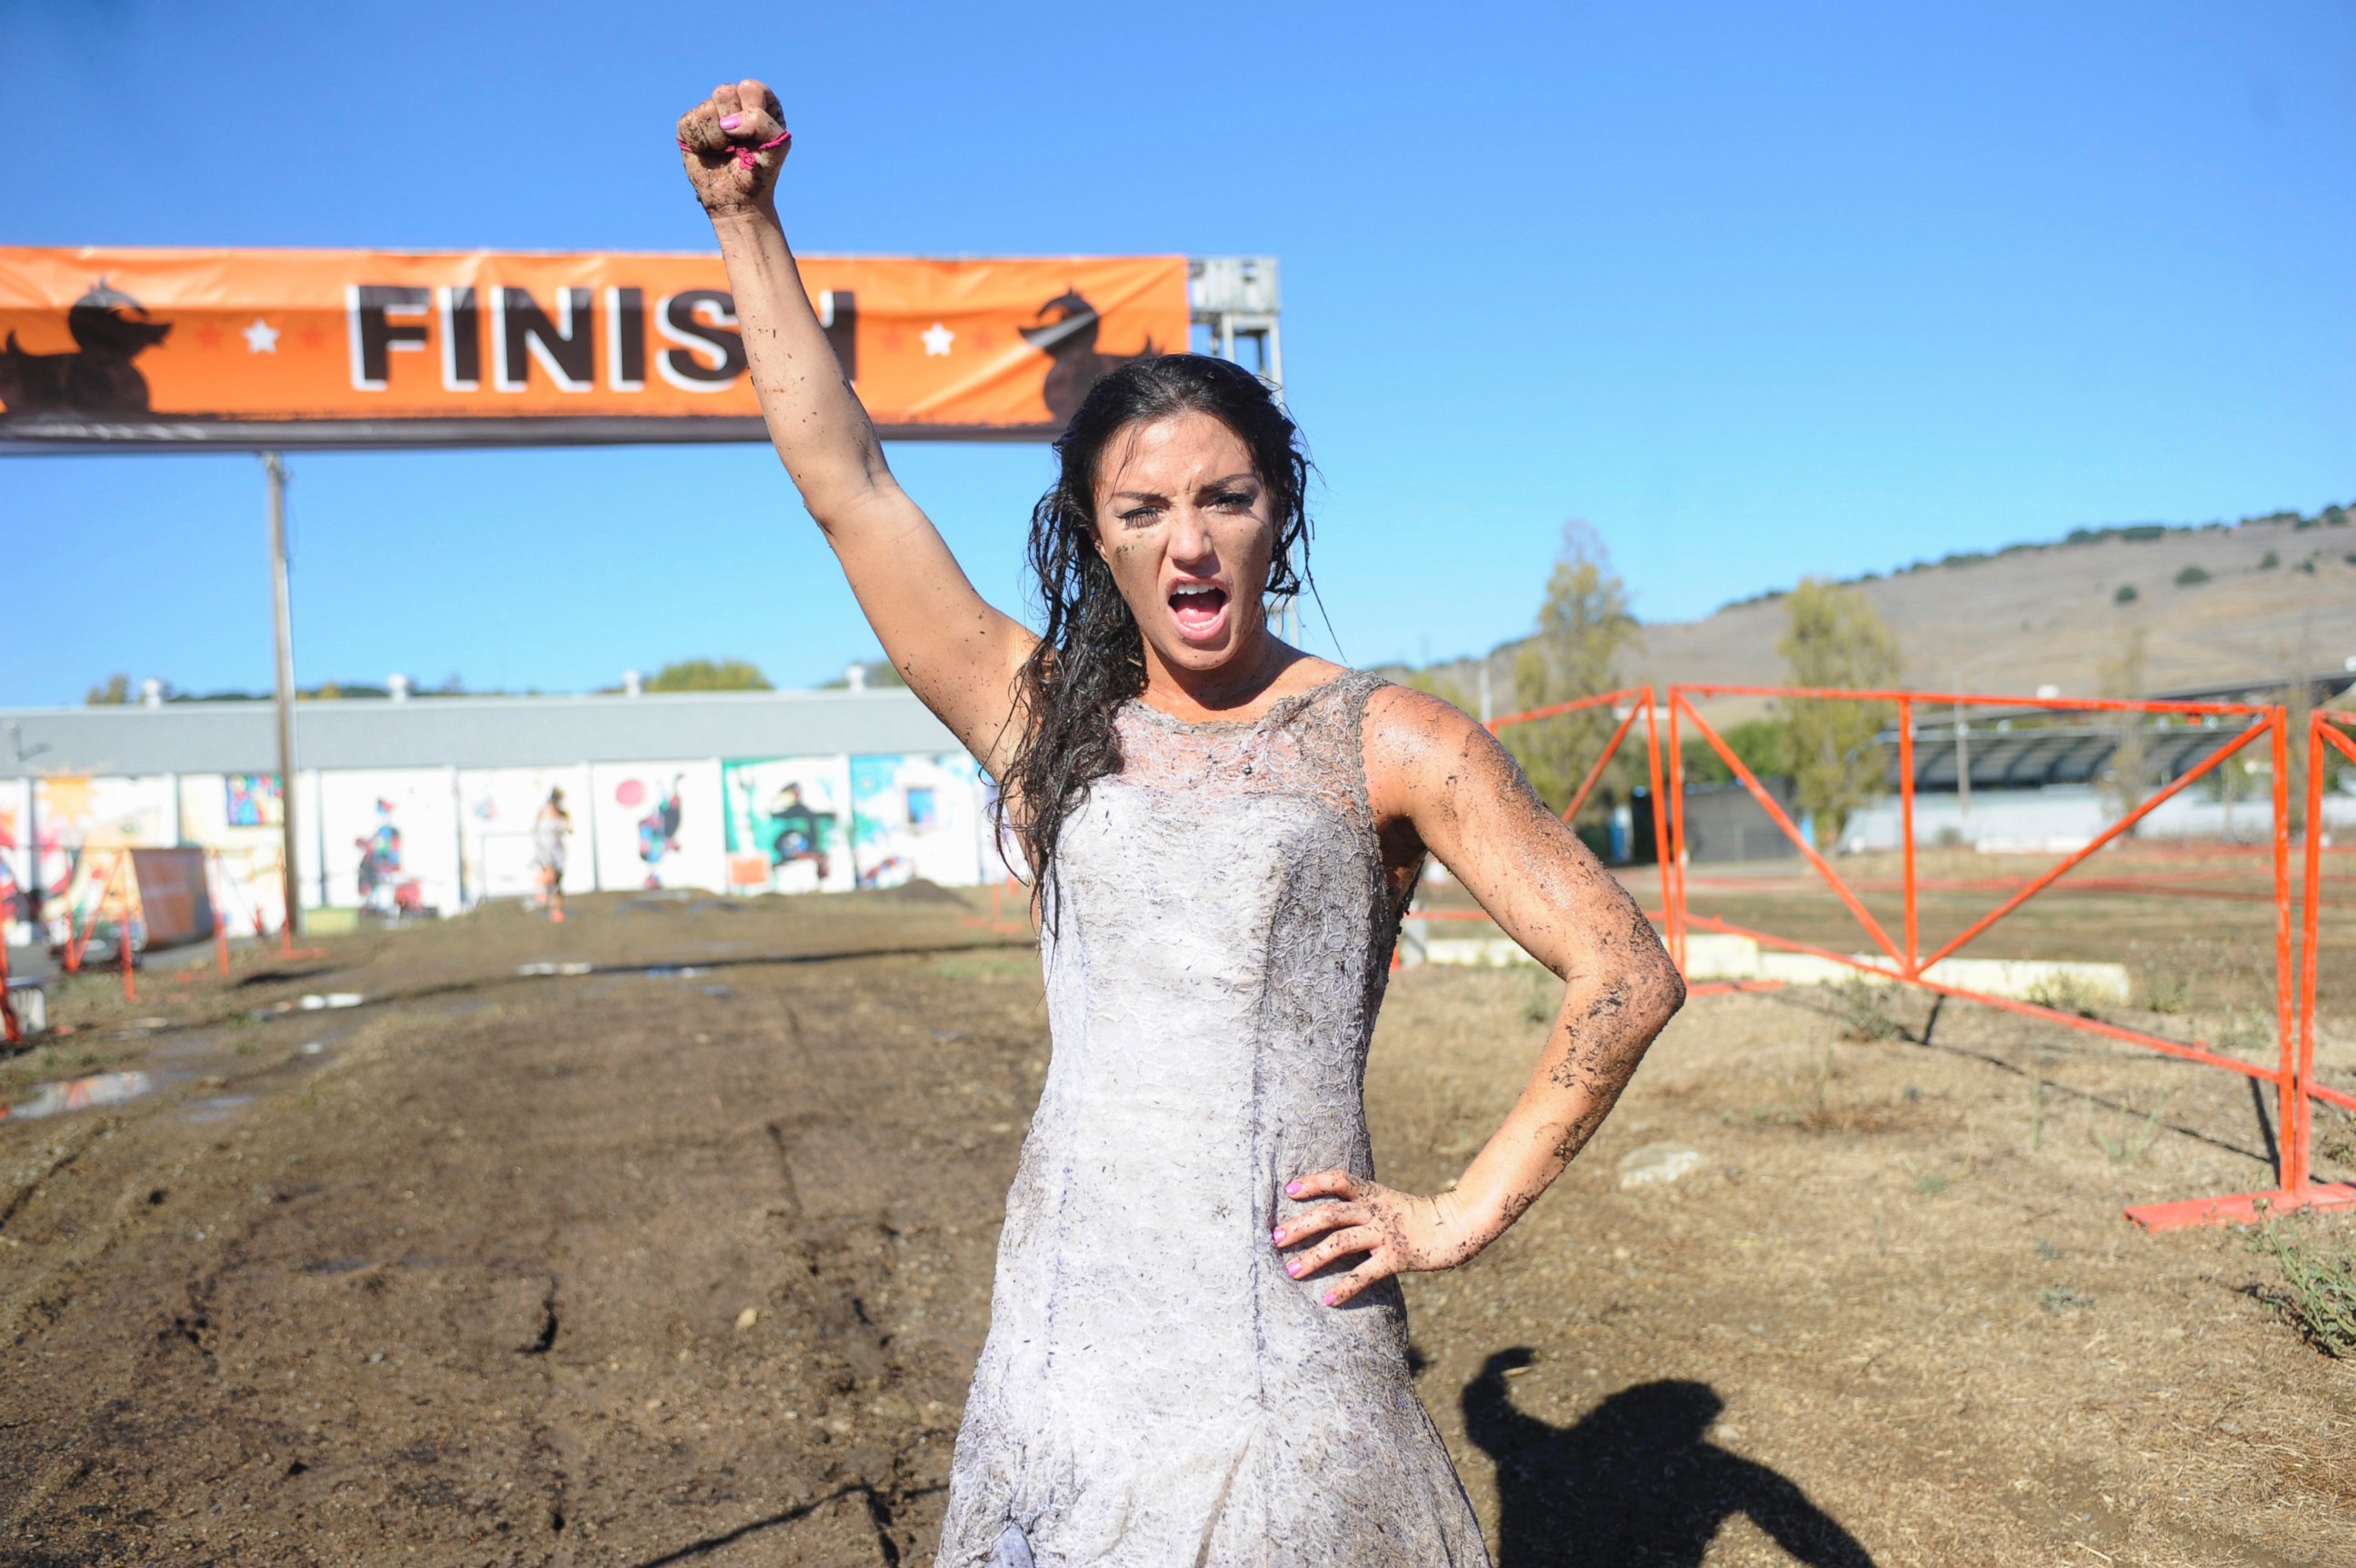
x: 2257, y: 601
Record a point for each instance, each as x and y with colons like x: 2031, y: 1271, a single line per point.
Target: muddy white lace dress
x: 1155, y: 1390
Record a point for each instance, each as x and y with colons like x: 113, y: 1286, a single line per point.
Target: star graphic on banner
x: 261, y: 338
x: 937, y: 339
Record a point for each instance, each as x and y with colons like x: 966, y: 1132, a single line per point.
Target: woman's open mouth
x: 1200, y: 610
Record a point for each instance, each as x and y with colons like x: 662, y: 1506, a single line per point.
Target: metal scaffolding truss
x: 1237, y: 299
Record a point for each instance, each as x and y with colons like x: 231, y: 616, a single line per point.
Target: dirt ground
x: 685, y: 1259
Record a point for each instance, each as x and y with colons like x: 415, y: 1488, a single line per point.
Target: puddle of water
x: 720, y: 991
x: 570, y: 967
x: 204, y: 1112
x: 314, y: 1003
x: 77, y: 1094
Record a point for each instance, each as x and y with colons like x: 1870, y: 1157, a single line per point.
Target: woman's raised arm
x: 959, y: 655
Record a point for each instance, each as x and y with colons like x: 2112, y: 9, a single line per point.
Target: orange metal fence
x: 1900, y: 955
x: 2326, y: 733
x: 2292, y: 1074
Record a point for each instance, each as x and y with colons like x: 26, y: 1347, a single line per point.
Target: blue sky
x: 1756, y: 291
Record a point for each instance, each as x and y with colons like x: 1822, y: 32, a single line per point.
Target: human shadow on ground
x: 1635, y: 1482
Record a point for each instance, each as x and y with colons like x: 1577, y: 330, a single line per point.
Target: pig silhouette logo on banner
x: 110, y: 331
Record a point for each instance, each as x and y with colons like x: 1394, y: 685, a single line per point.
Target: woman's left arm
x: 1437, y: 780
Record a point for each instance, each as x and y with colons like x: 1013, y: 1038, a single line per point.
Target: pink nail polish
x: 730, y: 122
x: 1294, y: 1267
x: 1292, y: 1190
x: 1277, y: 1236
x: 1329, y: 1298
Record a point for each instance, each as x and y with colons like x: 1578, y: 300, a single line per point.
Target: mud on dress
x: 1155, y: 1393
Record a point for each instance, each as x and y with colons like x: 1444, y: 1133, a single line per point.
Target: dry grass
x: 2069, y: 993
x: 2317, y: 1294
x: 1865, y: 1012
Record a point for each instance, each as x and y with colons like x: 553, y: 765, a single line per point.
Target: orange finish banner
x: 170, y: 348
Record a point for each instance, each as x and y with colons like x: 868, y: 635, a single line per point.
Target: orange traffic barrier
x: 1902, y: 958
x: 2292, y: 1074
x: 2326, y: 732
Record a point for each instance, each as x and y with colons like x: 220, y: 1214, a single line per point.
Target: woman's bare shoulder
x: 1421, y: 746
x: 1398, y: 715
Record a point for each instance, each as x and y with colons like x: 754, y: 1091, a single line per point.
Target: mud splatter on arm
x: 1442, y: 782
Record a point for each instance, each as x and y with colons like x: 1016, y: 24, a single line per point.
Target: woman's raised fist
x: 734, y: 142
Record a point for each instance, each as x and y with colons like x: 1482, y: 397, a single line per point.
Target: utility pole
x: 1963, y: 765
x: 282, y: 621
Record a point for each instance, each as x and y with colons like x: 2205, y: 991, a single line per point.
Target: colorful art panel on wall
x: 788, y: 827
x: 14, y: 860
x: 252, y: 800
x: 80, y: 811
x: 657, y: 824
x: 82, y: 819
x: 391, y: 840
x: 915, y: 816
x: 500, y: 833
x: 241, y: 816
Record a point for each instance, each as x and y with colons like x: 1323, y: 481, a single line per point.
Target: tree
x: 1438, y: 686
x: 1763, y: 745
x: 2126, y: 779
x: 114, y: 693
x: 709, y: 675
x: 877, y: 674
x: 1585, y: 628
x: 1833, y: 638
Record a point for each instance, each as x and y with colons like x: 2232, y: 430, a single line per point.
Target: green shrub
x: 2126, y: 595
x: 2190, y: 576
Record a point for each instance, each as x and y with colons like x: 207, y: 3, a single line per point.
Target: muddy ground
x: 690, y: 1264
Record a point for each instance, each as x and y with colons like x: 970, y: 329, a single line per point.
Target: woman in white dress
x: 1197, y: 1351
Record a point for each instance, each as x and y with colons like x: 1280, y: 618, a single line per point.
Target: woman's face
x: 1188, y: 528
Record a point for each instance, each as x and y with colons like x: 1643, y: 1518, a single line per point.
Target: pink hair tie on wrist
x: 750, y: 157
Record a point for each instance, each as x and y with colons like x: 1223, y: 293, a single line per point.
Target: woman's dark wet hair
x: 1091, y: 656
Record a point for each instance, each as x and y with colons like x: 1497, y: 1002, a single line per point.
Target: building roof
x: 468, y: 732
x: 2034, y: 758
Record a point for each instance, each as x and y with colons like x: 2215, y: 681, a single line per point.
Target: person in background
x: 548, y: 834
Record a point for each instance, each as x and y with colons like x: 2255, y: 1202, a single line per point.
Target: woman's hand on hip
x: 1398, y: 1231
